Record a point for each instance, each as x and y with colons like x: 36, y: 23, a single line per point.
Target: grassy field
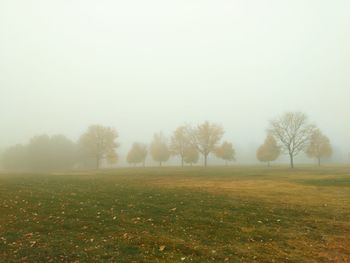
x: 227, y: 214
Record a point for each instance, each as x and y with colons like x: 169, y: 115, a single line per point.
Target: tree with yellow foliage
x: 137, y: 154
x: 179, y: 143
x: 226, y: 152
x: 319, y: 146
x: 269, y: 151
x: 205, y: 137
x: 99, y: 143
x: 159, y: 149
x: 191, y: 155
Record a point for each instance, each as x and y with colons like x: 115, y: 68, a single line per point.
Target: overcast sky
x: 147, y: 66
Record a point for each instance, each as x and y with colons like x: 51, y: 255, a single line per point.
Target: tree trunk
x: 268, y: 164
x: 291, y: 160
x: 143, y: 164
x: 160, y: 164
x: 182, y: 161
x: 319, y: 161
x: 205, y: 160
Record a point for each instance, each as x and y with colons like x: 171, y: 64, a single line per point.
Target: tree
x: 269, y: 151
x: 205, y: 138
x: 179, y: 143
x: 99, y: 143
x: 159, y: 149
x: 226, y: 152
x: 293, y: 132
x: 39, y: 153
x: 63, y: 152
x: 15, y: 158
x: 319, y: 146
x: 137, y: 154
x: 190, y: 155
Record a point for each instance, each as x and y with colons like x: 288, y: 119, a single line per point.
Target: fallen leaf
x: 161, y: 248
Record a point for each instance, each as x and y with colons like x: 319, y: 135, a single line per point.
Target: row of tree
x: 186, y: 142
x: 290, y: 134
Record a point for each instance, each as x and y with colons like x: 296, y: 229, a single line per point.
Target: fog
x: 149, y: 66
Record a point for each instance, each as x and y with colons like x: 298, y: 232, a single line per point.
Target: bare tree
x: 99, y: 143
x: 226, y: 152
x: 293, y: 132
x: 319, y: 146
x: 205, y: 137
x: 269, y: 151
x: 137, y: 154
x: 159, y: 149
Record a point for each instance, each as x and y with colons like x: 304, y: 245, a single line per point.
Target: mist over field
x: 175, y: 131
x: 145, y: 67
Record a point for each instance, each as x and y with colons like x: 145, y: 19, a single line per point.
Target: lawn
x: 218, y: 214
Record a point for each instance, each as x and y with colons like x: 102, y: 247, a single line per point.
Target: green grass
x: 241, y: 214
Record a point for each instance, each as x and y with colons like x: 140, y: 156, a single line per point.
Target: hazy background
x: 149, y: 66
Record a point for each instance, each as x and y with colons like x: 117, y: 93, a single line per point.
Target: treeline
x: 41, y: 153
x: 290, y: 134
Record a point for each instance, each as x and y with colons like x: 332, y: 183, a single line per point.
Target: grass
x: 219, y: 214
